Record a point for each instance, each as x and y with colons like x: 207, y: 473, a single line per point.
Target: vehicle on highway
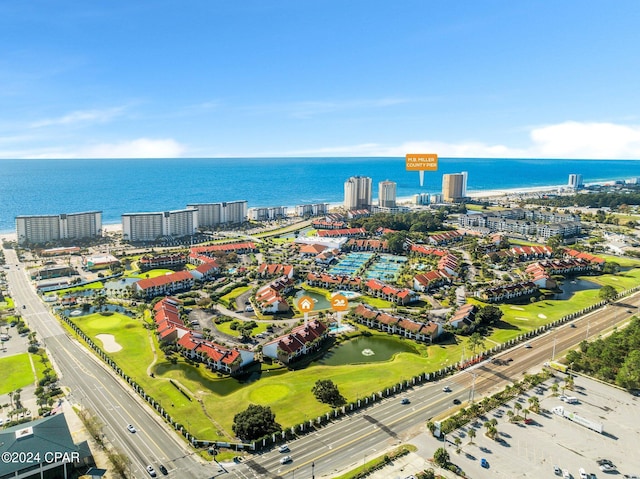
x: 163, y: 469
x: 131, y: 428
x: 484, y: 463
x: 527, y: 346
x: 404, y: 401
x: 446, y: 389
x: 509, y: 360
x: 572, y: 325
x: 286, y: 459
x: 283, y: 448
x: 456, y: 401
x: 151, y: 471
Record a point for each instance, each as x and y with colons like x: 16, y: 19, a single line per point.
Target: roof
x: 47, y: 435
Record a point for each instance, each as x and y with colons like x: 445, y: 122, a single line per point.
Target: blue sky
x: 207, y: 78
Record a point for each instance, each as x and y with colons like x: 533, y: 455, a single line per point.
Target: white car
x: 151, y: 471
x: 131, y: 428
x: 285, y: 459
x: 283, y: 448
x: 446, y: 389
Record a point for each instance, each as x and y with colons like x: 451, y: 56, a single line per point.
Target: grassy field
x: 212, y: 400
x: 16, y: 372
x: 225, y: 328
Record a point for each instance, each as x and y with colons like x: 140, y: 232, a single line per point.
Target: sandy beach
x: 475, y: 194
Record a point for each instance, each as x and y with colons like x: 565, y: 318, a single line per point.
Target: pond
x: 320, y: 302
x: 366, y: 349
x: 120, y: 284
x: 571, y: 286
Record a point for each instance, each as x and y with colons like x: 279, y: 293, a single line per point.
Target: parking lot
x: 532, y: 450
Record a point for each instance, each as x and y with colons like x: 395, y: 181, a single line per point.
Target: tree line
x: 615, y: 359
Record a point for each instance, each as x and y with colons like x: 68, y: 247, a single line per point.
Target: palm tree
x: 554, y: 388
x: 534, y: 404
x: 525, y: 411
x: 517, y: 406
x: 472, y: 435
x: 510, y: 413
x: 457, y: 442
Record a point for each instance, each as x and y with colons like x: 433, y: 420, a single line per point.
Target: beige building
x: 225, y: 213
x: 151, y: 226
x: 357, y: 193
x: 453, y: 187
x: 387, y: 194
x: 45, y: 228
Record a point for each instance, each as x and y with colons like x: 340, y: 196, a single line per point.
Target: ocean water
x: 34, y: 187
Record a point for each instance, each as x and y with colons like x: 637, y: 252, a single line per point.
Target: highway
x: 95, y: 387
x: 348, y: 442
x: 345, y: 443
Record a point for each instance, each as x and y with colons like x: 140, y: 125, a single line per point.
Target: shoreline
x: 474, y: 194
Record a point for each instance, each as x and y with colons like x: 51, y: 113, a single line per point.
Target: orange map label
x: 421, y: 161
x: 305, y: 304
x: 339, y: 303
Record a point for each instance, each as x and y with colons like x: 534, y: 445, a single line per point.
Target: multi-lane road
x: 344, y: 443
x: 96, y: 388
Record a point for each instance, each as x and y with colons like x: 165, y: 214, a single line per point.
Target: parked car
x: 484, y: 463
x: 557, y: 471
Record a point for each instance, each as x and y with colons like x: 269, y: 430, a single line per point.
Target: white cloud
x: 139, y: 148
x: 567, y: 140
x: 574, y: 139
x: 80, y: 117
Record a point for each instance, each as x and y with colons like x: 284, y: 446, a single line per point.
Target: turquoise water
x: 35, y: 187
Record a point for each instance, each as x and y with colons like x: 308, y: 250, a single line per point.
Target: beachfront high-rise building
x: 387, y: 194
x: 225, y: 213
x: 453, y: 187
x: 316, y: 209
x: 357, y: 193
x: 267, y: 213
x: 151, y: 226
x: 575, y: 181
x: 40, y: 229
x: 465, y: 176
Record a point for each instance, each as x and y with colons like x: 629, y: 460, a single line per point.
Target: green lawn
x: 216, y: 399
x: 16, y: 372
x: 226, y: 328
x: 7, y: 303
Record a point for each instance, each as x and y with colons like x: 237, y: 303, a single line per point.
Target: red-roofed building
x: 301, y: 340
x: 268, y: 270
x: 446, y: 237
x: 213, y: 355
x: 271, y: 297
x: 170, y: 261
x: 166, y: 284
x: 463, y: 316
x: 379, y: 289
x: 423, y: 250
x: 346, y: 232
x: 329, y: 281
x: 430, y: 280
x: 368, y: 245
x: 409, y: 328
